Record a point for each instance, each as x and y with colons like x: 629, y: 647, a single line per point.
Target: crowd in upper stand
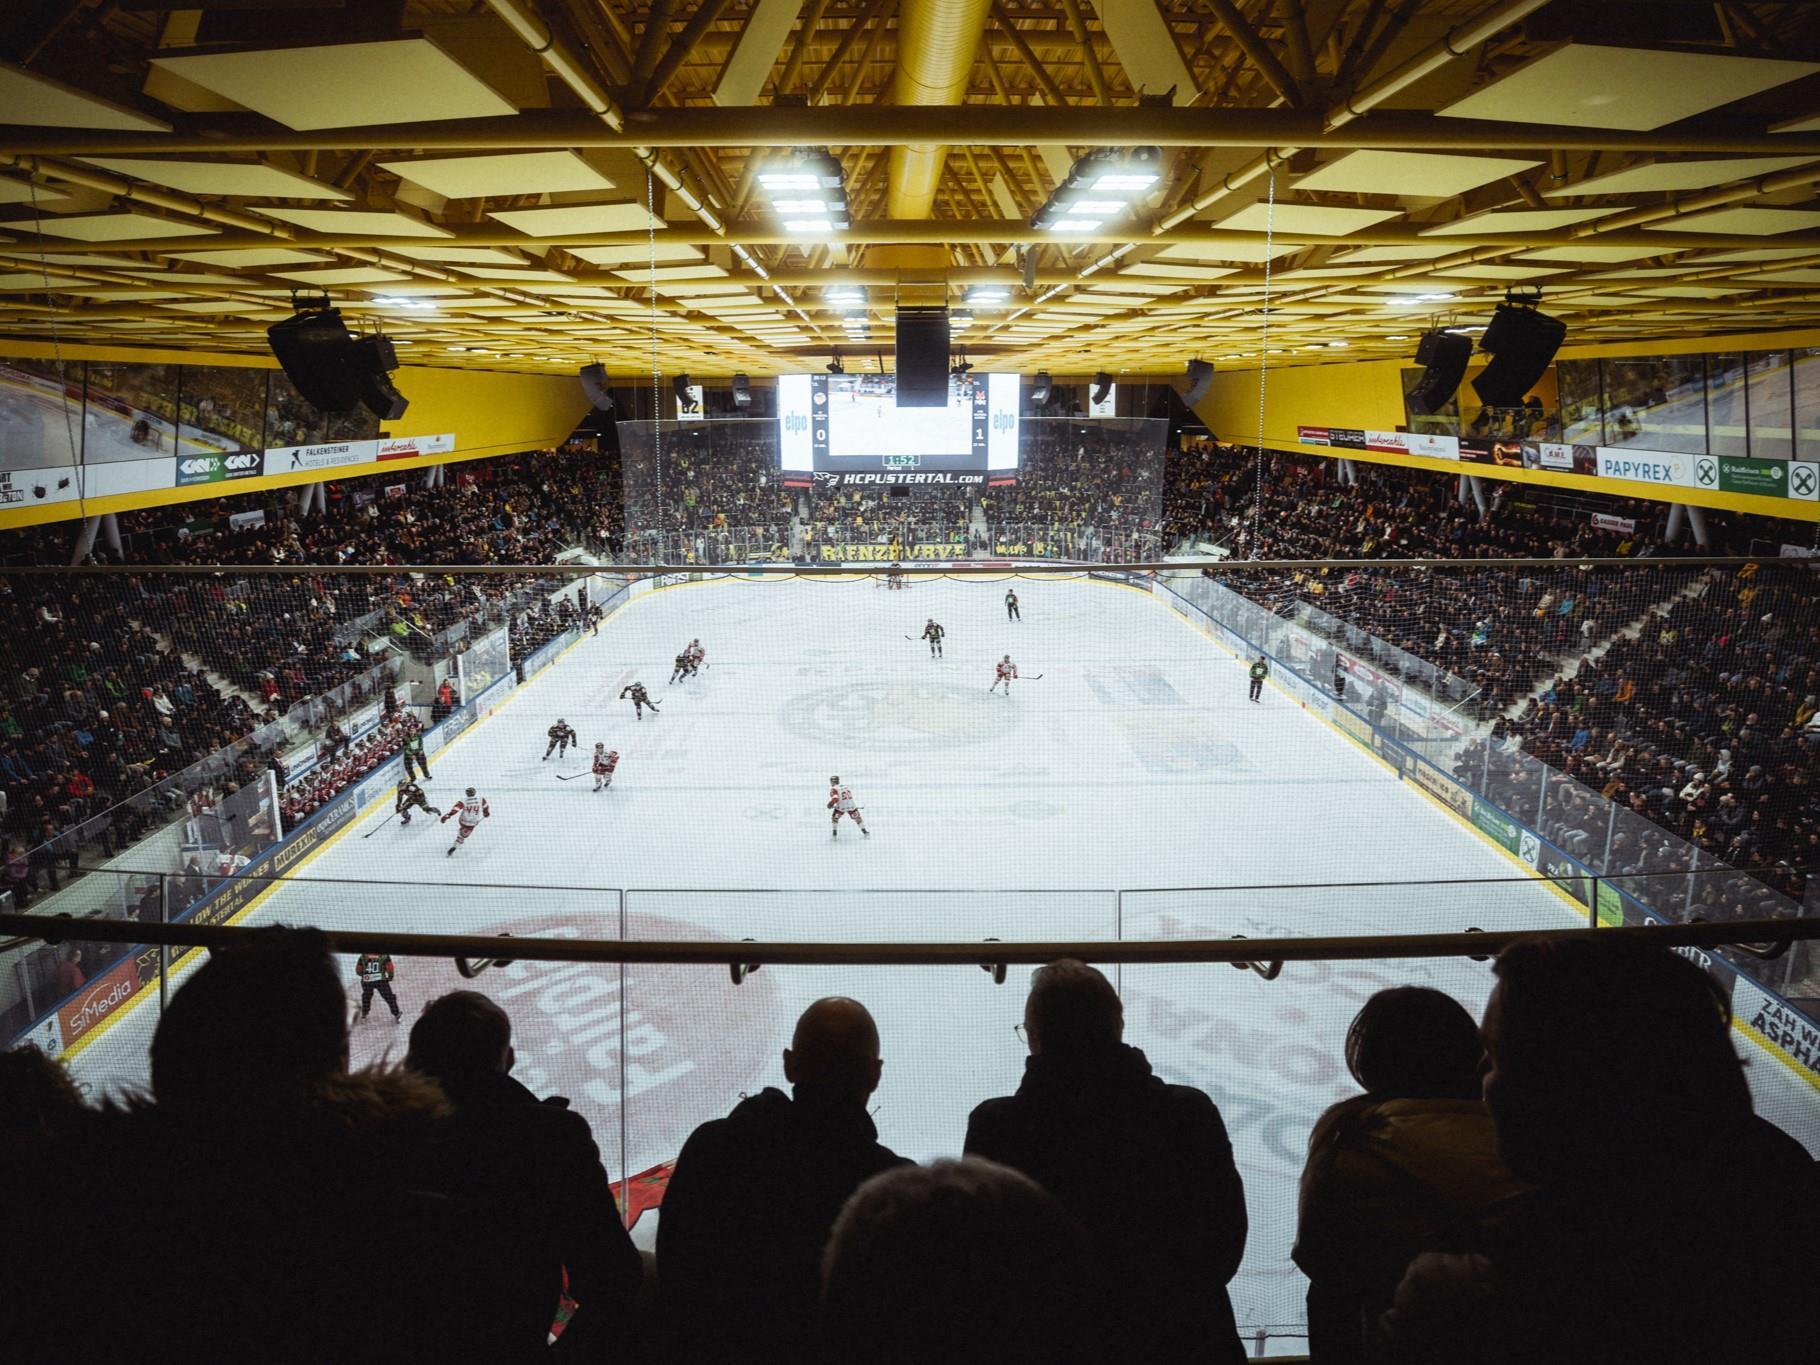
x: 1663, y: 721
x: 1580, y: 1178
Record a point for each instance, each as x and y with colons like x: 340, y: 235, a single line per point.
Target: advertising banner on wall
x: 1606, y: 522
x: 213, y: 468
x: 410, y: 447
x: 1783, y: 1027
x: 334, y: 454
x: 1652, y: 466
x: 23, y: 487
x: 1495, y: 824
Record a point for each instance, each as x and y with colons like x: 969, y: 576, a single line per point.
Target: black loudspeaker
x: 742, y: 391
x: 1442, y: 356
x: 374, y: 359
x: 922, y: 357
x: 1521, y: 342
x: 594, y: 384
x: 1042, y: 390
x: 1102, y: 387
x: 316, y: 353
x: 1200, y: 379
x: 680, y: 386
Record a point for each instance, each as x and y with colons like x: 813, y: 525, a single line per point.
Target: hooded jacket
x: 746, y: 1217
x: 1382, y: 1178
x: 1148, y: 1170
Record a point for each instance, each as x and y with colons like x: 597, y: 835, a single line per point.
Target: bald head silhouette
x: 835, y: 1050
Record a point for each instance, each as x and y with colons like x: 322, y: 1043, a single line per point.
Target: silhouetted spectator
x: 1670, y: 1224
x: 70, y: 976
x: 748, y: 1209
x: 534, y: 1164
x: 1391, y: 1167
x: 962, y: 1263
x: 281, y: 1192
x: 1170, y: 1230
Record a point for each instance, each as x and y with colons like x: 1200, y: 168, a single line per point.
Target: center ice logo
x: 894, y: 717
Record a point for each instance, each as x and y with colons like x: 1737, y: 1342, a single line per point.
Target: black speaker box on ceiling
x: 1442, y: 356
x: 1042, y: 389
x: 594, y: 384
x: 316, y: 354
x: 922, y: 357
x: 374, y: 359
x: 1200, y: 379
x: 1521, y: 342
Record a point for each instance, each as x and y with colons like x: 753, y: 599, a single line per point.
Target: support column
x: 85, y: 541
x: 1677, y: 518
x: 304, y: 499
x: 1696, y: 520
x: 110, y: 532
x: 1478, y: 495
x: 1460, y: 494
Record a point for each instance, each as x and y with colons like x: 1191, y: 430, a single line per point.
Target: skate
x: 450, y: 852
x: 863, y: 830
x: 405, y: 819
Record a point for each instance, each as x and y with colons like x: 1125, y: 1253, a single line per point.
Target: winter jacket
x: 294, y: 1225
x: 1148, y: 1170
x: 1682, y: 1253
x: 1382, y: 1179
x: 745, y: 1220
x: 532, y: 1165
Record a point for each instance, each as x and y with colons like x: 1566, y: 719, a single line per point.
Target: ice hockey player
x: 374, y: 971
x: 841, y: 802
x: 1259, y: 671
x: 1339, y: 680
x: 1006, y: 672
x: 1011, y: 611
x: 410, y: 797
x: 472, y: 809
x: 413, y: 750
x: 933, y: 634
x: 681, y: 670
x: 562, y: 735
x: 894, y: 576
x: 696, y: 655
x: 640, y: 699
x: 605, y: 761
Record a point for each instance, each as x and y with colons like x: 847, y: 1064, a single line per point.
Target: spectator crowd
x: 1558, y: 1182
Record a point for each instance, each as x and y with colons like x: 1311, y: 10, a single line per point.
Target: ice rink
x: 1134, y: 762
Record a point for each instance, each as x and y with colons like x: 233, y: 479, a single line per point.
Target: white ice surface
x: 1135, y: 761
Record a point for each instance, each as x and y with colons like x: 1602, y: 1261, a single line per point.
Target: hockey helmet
x: 834, y: 782
x: 470, y: 791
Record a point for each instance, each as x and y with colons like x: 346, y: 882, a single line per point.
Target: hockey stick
x: 569, y: 777
x: 381, y: 825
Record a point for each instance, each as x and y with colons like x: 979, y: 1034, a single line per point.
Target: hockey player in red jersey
x: 841, y: 802
x: 472, y: 809
x: 1006, y: 672
x: 605, y: 761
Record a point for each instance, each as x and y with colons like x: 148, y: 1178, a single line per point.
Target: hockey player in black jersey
x: 682, y: 668
x: 640, y: 699
x: 562, y: 735
x: 933, y: 634
x: 411, y: 797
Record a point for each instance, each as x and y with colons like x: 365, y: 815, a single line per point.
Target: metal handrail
x: 1473, y: 943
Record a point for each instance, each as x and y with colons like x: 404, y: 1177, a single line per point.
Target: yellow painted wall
x: 1368, y: 394
x: 490, y: 412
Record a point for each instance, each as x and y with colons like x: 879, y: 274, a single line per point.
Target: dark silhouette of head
x: 255, y: 1019
x: 834, y: 1050
x: 461, y: 1039
x: 958, y: 1262
x: 1410, y: 1042
x: 1597, y: 1044
x: 1072, y: 1008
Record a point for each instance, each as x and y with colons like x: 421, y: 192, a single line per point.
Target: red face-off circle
x: 692, y: 1041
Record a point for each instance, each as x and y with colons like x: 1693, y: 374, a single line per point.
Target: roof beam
x: 882, y: 125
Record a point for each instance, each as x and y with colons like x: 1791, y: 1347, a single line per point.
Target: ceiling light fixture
x: 808, y: 191
x: 1101, y: 186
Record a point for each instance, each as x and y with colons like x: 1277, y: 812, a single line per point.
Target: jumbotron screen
x: 851, y: 423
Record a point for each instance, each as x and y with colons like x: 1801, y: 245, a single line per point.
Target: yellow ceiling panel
x: 511, y: 275
x: 120, y: 227
x: 40, y: 102
x: 344, y: 85
x: 1585, y: 85
x: 1515, y: 220
x: 1418, y: 175
x: 577, y: 218
x: 242, y: 179
x: 666, y: 253
x: 503, y: 173
x: 1305, y: 218
x: 250, y: 257
x: 680, y: 272
x: 374, y: 222
x: 1747, y: 222
x: 354, y: 274
x: 1668, y: 177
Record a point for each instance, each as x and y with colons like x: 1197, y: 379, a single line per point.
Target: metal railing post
x: 164, y: 949
x: 1592, y: 908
